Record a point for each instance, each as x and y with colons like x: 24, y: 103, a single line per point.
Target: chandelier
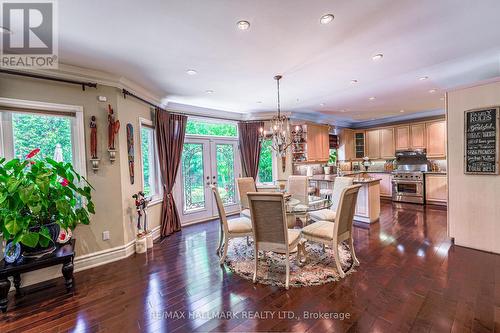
x: 279, y: 129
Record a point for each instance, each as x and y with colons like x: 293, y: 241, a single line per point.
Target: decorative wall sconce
x: 95, y: 164
x: 112, y: 155
x: 93, y: 144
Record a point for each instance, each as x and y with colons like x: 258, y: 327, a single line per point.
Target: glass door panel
x: 193, y: 178
x: 225, y: 169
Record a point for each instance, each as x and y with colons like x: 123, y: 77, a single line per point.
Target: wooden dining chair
x: 245, y: 185
x: 270, y: 231
x: 333, y: 234
x: 236, y: 227
x: 328, y: 214
x: 298, y: 188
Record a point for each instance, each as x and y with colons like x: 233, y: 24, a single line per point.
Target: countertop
x: 435, y: 172
x: 356, y: 180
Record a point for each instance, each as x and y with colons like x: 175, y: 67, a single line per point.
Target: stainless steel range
x: 408, y: 178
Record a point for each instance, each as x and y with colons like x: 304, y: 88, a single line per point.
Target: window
x: 266, y: 163
x: 204, y: 127
x: 151, y: 183
x: 58, y: 134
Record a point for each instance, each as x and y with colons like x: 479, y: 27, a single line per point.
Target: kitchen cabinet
x: 436, y: 138
x: 402, y: 137
x: 417, y: 136
x: 385, y: 183
x: 359, y: 144
x: 373, y: 144
x: 387, y: 148
x: 436, y: 189
x: 317, y: 138
x: 346, y: 145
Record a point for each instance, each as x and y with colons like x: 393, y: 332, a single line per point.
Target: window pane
x: 147, y: 164
x: 199, y: 127
x: 192, y: 172
x: 52, y: 134
x: 225, y: 173
x: 266, y: 162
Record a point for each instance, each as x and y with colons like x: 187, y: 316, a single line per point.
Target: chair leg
x: 355, y: 260
x: 256, y: 256
x: 248, y: 240
x: 337, y: 260
x: 323, y: 247
x: 226, y: 245
x: 221, y: 238
x: 287, y: 273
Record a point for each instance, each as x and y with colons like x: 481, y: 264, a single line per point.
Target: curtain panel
x: 250, y: 147
x: 170, y: 133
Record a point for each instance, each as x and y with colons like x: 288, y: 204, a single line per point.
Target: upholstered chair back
x: 297, y: 187
x: 339, y: 185
x: 345, y: 213
x: 245, y: 185
x: 268, y: 219
x: 220, y: 207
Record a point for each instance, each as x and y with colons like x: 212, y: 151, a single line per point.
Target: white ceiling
x: 153, y: 43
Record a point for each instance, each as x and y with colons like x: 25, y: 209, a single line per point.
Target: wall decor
x: 130, y: 151
x: 93, y: 144
x: 113, y: 128
x: 481, y: 141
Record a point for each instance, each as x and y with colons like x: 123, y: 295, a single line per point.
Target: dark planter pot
x: 37, y: 251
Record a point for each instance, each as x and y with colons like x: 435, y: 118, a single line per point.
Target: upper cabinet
x: 402, y: 137
x: 317, y: 138
x: 382, y: 143
x: 359, y: 144
x: 436, y: 138
x: 387, y: 146
x: 373, y: 144
x: 417, y: 136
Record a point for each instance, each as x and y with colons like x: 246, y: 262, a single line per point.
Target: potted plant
x: 331, y: 162
x: 38, y: 197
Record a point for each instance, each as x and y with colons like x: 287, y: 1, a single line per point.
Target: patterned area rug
x: 319, y: 269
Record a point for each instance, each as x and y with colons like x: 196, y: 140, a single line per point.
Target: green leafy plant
x: 333, y: 157
x: 36, y: 192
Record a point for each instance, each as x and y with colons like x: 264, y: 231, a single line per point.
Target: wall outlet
x: 105, y: 235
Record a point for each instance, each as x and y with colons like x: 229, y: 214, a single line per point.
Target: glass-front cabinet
x: 359, y: 144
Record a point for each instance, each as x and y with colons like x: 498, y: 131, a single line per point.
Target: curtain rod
x: 126, y: 93
x: 50, y: 78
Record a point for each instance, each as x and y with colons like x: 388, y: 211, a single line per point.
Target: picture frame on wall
x: 481, y: 141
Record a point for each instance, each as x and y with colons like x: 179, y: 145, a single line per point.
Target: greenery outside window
x: 211, y: 128
x: 265, y: 175
x: 151, y: 185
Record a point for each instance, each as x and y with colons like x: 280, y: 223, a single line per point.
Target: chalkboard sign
x: 481, y: 141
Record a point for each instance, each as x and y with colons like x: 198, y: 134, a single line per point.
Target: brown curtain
x: 250, y: 147
x: 170, y: 132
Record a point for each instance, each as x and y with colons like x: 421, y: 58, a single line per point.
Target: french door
x: 205, y: 162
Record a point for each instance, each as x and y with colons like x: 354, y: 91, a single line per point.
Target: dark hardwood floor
x: 411, y: 278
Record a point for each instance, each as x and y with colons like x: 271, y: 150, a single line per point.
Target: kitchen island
x: 368, y: 204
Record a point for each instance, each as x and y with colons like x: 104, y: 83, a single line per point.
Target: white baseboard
x: 84, y: 262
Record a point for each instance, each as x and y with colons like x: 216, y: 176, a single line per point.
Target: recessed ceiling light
x: 243, y: 25
x: 209, y: 91
x: 401, y: 111
x: 5, y: 30
x: 327, y: 18
x: 371, y: 98
x: 354, y: 81
x: 377, y: 57
x: 423, y: 78
x: 322, y: 104
x: 191, y: 72
x: 432, y: 91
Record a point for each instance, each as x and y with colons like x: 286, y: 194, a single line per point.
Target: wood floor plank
x: 411, y: 279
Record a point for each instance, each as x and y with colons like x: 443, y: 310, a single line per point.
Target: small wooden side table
x: 64, y: 254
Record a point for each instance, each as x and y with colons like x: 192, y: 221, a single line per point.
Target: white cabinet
x: 436, y: 138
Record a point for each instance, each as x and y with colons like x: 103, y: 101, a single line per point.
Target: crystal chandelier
x: 279, y: 129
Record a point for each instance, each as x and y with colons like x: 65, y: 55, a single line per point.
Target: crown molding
x: 201, y: 111
x: 398, y: 119
x: 71, y: 72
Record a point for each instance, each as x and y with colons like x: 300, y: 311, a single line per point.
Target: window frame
x: 10, y: 105
x: 158, y: 194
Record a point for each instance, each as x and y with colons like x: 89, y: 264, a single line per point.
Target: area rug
x: 319, y: 268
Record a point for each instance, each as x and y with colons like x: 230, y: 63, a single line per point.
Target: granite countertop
x: 356, y: 180
x: 435, y: 172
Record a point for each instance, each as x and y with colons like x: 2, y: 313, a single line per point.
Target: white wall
x: 474, y: 200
